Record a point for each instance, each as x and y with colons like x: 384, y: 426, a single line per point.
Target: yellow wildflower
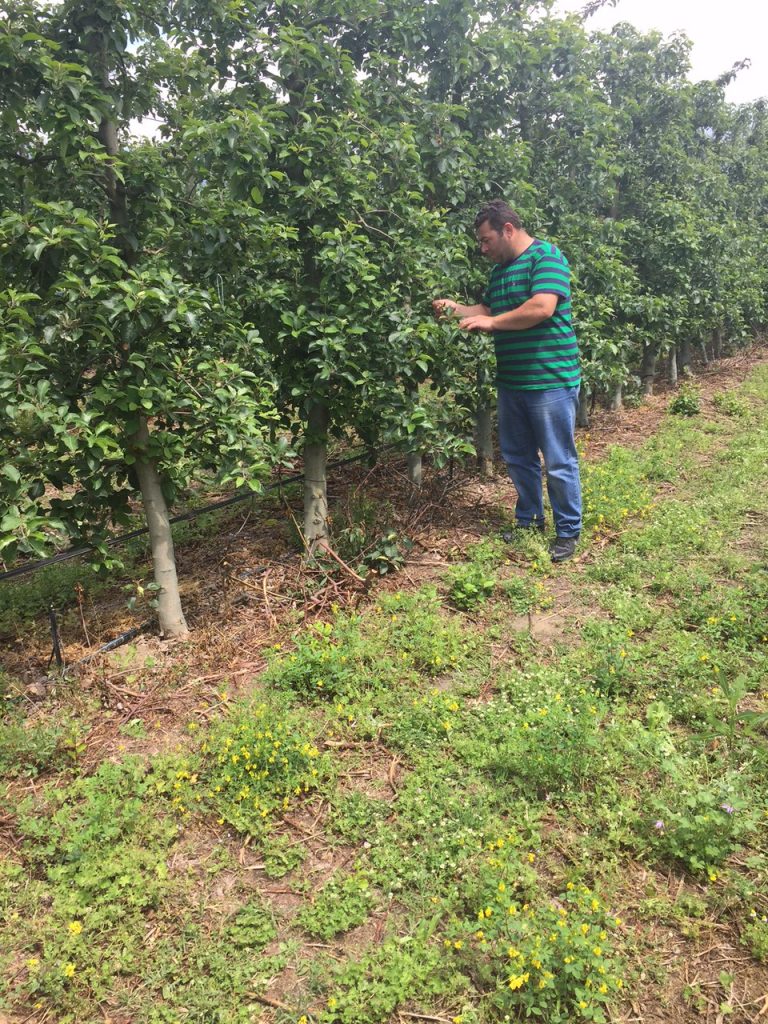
x: 518, y: 980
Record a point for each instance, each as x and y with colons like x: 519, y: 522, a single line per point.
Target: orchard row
x: 255, y: 276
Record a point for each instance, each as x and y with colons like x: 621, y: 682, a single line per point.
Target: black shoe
x: 520, y: 527
x: 563, y: 548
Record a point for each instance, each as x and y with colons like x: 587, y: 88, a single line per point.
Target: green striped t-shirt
x: 547, y: 355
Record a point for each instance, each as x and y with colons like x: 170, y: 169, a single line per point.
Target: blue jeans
x: 533, y: 421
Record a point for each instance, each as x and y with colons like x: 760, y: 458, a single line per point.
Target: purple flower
x: 659, y: 825
x: 728, y: 808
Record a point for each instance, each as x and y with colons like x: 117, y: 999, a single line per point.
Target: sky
x: 721, y: 33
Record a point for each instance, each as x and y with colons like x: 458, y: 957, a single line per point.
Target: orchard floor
x: 366, y: 899
x: 222, y: 564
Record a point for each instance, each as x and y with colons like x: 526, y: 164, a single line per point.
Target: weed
x: 469, y: 586
x: 342, y: 903
x: 538, y: 956
x: 423, y: 721
x: 354, y: 816
x: 33, y: 745
x: 364, y: 538
x: 722, y: 718
x: 524, y: 594
x: 754, y: 935
x: 101, y: 846
x: 135, y: 729
x: 256, y: 762
x: 731, y: 404
x: 26, y: 600
x: 388, y: 553
x: 613, y: 490
x: 323, y: 665
x: 93, y: 836
x: 281, y: 855
x: 473, y: 582
x: 251, y: 928
x: 205, y: 974
x: 609, y: 660
x: 687, y: 402
x: 404, y: 634
x: 437, y: 821
x: 370, y: 989
x: 698, y: 825
x: 420, y: 635
x: 549, y: 744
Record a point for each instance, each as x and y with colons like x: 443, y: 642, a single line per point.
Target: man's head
x: 498, y: 230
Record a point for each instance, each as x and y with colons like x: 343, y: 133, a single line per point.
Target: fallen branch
x: 391, y: 774
x: 267, y: 608
x: 273, y: 1003
x: 256, y: 666
x: 328, y: 550
x: 424, y: 1016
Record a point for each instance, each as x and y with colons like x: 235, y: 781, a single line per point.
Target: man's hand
x: 444, y: 307
x: 477, y: 323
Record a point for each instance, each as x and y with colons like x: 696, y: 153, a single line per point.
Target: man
x: 527, y: 307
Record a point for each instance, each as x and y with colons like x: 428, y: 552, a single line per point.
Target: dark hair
x: 498, y: 213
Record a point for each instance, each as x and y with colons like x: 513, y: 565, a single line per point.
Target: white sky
x: 721, y: 33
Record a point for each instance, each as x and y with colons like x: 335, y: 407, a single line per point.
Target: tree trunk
x: 97, y: 42
x: 169, y: 611
x: 414, y: 458
x: 582, y: 412
x: 648, y: 369
x: 315, y: 481
x: 672, y: 366
x: 415, y: 468
x: 616, y: 402
x: 483, y: 422
x: 484, y: 439
x: 717, y: 343
x: 684, y: 358
x: 704, y: 353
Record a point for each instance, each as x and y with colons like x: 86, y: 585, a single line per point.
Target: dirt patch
x: 689, y: 968
x: 631, y: 427
x: 374, y: 772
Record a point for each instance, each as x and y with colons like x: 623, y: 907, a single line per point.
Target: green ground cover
x: 419, y: 809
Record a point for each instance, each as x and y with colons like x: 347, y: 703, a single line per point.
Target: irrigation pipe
x: 66, y: 556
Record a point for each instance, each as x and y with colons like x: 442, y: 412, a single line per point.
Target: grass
x: 400, y: 817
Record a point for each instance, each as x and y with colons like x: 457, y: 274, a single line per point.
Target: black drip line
x: 66, y: 556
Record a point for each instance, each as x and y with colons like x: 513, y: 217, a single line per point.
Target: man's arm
x: 443, y: 307
x: 533, y: 311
